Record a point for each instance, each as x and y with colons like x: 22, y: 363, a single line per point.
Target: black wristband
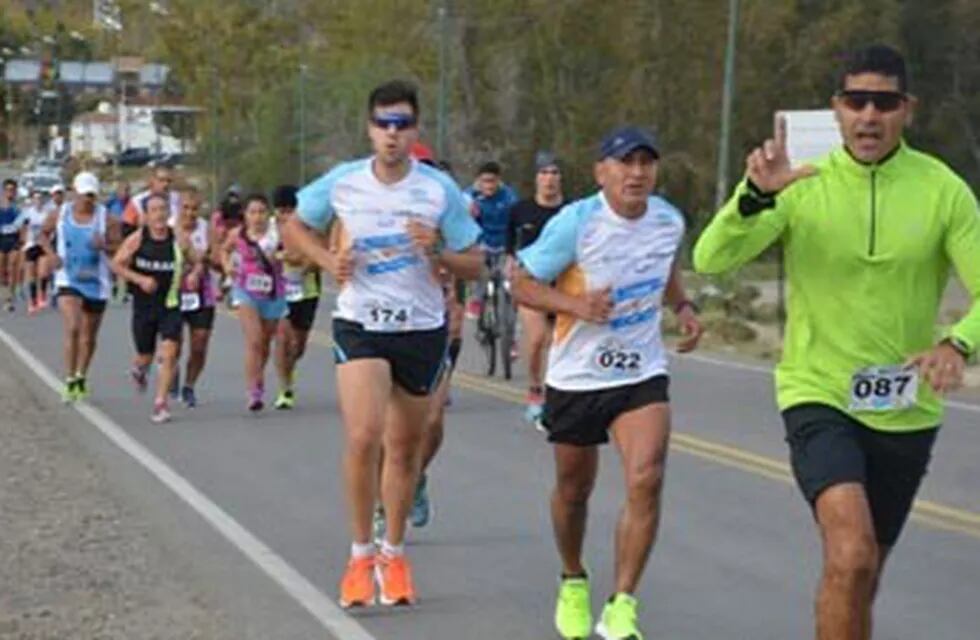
x: 754, y: 200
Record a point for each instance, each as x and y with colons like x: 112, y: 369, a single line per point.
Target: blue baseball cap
x: 622, y: 141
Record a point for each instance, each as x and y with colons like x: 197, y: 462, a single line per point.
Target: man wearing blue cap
x: 613, y: 257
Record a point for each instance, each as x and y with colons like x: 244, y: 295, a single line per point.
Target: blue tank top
x: 84, y: 268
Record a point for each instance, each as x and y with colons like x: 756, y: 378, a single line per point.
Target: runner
x: 11, y: 239
x: 491, y: 201
x: 37, y: 269
x: 303, y: 297
x: 252, y: 256
x: 85, y: 237
x: 527, y: 218
x: 869, y: 233
x: 116, y: 205
x: 152, y: 260
x: 613, y: 255
x: 197, y: 291
x: 421, y: 511
x: 393, y: 221
x: 160, y: 182
x: 226, y: 217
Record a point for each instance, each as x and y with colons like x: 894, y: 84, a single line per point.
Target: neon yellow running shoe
x: 285, y: 399
x: 68, y: 393
x: 618, y: 621
x: 573, y: 612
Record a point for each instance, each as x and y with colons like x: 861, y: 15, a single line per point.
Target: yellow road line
x: 934, y: 514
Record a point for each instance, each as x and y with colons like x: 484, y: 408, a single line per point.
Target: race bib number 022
x: 617, y: 361
x: 886, y: 388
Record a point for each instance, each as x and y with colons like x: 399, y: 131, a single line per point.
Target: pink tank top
x: 259, y: 272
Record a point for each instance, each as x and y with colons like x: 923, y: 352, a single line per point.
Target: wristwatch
x: 959, y: 346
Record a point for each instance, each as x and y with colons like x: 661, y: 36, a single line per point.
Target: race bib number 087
x: 885, y: 388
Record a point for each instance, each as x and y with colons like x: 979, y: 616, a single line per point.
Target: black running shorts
x: 150, y: 321
x: 33, y: 254
x: 829, y: 447
x: 203, y: 318
x: 417, y: 358
x: 583, y: 418
x: 302, y: 314
x: 89, y: 305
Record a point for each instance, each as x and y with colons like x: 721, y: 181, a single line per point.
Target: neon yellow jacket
x: 867, y: 252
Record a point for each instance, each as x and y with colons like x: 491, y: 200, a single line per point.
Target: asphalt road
x: 737, y: 556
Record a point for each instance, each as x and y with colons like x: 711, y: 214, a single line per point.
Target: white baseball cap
x: 86, y: 183
x: 58, y: 188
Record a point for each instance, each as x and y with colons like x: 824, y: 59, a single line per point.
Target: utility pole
x: 442, y: 122
x: 302, y: 123
x: 214, y: 135
x: 727, y: 96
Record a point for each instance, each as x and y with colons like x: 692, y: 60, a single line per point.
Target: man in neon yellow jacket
x: 869, y: 232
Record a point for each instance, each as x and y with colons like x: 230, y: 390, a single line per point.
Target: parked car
x: 171, y: 160
x: 133, y: 157
x: 36, y: 180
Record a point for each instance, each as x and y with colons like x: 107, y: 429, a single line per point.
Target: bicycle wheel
x: 489, y: 338
x: 508, y: 321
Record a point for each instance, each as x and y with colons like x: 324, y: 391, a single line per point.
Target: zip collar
x: 891, y: 162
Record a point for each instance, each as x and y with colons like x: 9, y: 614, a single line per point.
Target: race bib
x: 258, y: 283
x: 294, y: 291
x: 87, y: 275
x: 614, y: 360
x: 387, y: 317
x: 190, y: 302
x: 884, y: 388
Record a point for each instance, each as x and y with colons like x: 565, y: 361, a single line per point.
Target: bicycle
x: 498, y: 318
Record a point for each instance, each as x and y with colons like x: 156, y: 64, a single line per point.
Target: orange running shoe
x: 357, y: 586
x: 395, y: 580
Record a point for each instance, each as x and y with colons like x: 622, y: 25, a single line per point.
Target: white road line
x: 741, y: 366
x: 328, y: 614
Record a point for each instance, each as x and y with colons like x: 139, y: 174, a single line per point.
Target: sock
x: 362, y: 550
x: 392, y: 550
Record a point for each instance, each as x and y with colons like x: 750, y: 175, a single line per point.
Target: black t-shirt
x: 527, y: 219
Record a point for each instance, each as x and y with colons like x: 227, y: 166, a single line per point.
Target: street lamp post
x: 7, y: 99
x: 443, y: 108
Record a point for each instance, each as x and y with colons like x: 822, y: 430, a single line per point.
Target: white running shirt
x: 587, y: 246
x: 393, y: 288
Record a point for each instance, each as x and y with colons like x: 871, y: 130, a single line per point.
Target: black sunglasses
x: 883, y: 101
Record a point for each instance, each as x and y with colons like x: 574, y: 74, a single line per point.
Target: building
x: 133, y: 75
